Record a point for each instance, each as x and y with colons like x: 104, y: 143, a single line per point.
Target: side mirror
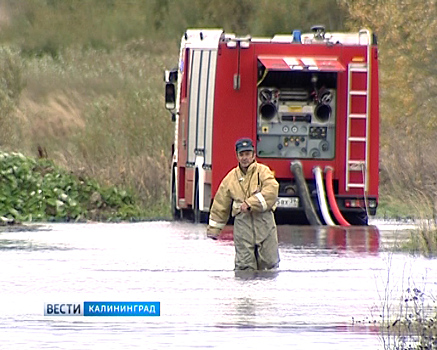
x: 171, y: 76
x: 170, y: 96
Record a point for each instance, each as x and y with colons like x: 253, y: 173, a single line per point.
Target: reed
x: 413, y: 325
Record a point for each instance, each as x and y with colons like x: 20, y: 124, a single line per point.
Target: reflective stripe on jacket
x: 258, y: 188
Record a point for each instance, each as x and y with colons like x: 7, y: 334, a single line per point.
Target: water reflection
x: 359, y: 239
x: 246, y: 275
x: 27, y: 245
x: 246, y: 310
x: 23, y: 243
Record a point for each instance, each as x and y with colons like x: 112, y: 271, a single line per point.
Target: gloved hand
x: 212, y: 232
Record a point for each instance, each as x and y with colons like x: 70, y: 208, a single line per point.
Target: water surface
x: 327, y: 293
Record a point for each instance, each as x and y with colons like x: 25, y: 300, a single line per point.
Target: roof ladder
x: 358, y: 107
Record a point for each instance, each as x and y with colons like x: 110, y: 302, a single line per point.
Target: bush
x: 37, y: 190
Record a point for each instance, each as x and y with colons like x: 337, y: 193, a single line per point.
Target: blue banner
x: 122, y: 308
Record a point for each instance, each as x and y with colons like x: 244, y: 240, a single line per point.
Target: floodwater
x: 327, y: 294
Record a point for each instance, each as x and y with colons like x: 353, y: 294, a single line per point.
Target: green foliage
x: 408, y: 87
x: 37, y: 190
x: 423, y: 240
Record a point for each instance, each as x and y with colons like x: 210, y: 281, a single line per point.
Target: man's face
x: 245, y: 158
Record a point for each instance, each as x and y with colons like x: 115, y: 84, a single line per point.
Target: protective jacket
x: 255, y: 235
x: 258, y: 188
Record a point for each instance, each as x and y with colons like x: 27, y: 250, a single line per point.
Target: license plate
x: 288, y: 202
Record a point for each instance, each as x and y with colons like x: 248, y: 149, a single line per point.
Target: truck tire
x: 175, y: 212
x: 196, y: 211
x: 357, y: 219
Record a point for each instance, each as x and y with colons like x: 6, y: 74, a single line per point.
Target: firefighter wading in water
x: 251, y: 190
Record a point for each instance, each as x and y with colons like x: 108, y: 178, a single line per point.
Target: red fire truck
x: 308, y: 100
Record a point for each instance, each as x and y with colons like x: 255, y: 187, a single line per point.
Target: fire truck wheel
x: 174, y: 211
x: 198, y: 215
x: 196, y: 210
x: 357, y: 219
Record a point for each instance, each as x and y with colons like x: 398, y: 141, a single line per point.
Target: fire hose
x: 304, y: 195
x: 331, y: 197
x: 321, y: 196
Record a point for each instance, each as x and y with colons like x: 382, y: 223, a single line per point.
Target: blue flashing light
x: 297, y: 37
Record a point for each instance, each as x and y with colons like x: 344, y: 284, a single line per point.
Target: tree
x: 406, y: 31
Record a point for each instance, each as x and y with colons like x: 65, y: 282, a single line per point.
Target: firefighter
x: 250, y: 190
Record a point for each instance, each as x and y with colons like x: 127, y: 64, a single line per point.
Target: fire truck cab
x: 308, y: 100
